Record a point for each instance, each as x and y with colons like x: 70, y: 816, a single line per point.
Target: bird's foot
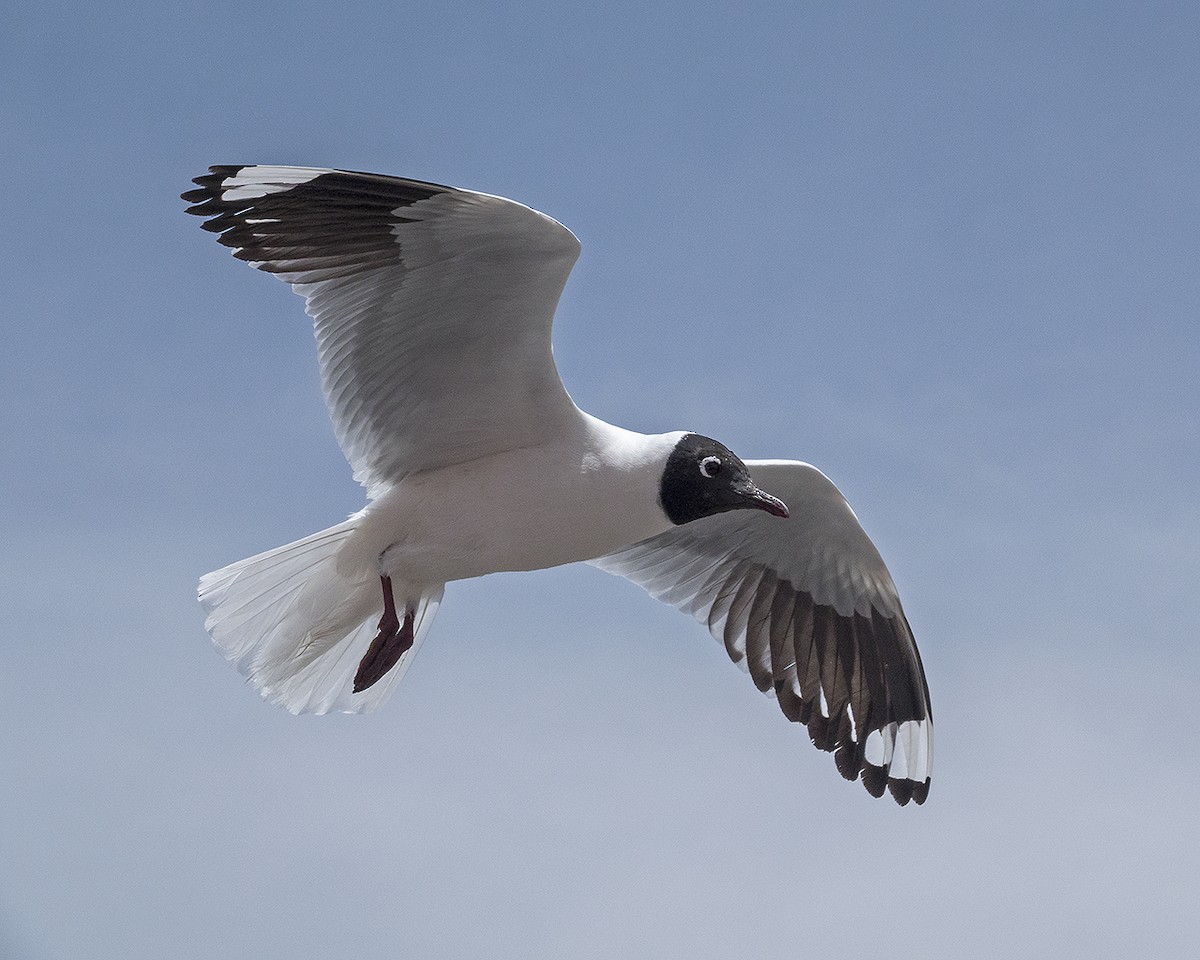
x: 391, y: 642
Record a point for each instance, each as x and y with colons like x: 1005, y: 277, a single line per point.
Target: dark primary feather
x: 335, y: 225
x: 841, y: 675
x: 866, y: 668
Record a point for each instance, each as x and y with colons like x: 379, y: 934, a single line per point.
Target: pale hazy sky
x: 949, y: 253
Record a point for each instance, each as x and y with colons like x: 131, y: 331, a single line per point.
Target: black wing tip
x: 875, y: 780
x: 209, y: 186
x: 848, y: 761
x: 819, y: 732
x: 328, y: 187
x: 847, y: 753
x: 791, y: 705
x: 903, y: 790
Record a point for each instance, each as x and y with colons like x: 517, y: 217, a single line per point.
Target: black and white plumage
x: 809, y: 609
x: 432, y: 309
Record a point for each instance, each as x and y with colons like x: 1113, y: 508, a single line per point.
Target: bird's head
x: 703, y: 477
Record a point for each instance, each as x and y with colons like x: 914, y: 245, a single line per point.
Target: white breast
x: 578, y: 497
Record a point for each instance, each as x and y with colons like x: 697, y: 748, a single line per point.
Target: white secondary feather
x: 432, y: 309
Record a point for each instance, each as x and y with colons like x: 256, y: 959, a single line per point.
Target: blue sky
x: 947, y: 253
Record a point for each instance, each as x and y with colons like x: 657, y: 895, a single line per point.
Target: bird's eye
x: 710, y: 466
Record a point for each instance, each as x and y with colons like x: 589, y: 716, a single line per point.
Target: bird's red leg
x: 390, y: 644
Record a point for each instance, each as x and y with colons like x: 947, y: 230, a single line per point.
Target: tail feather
x: 326, y: 682
x: 297, y: 626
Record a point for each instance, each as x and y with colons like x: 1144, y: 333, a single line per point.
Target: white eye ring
x: 710, y: 466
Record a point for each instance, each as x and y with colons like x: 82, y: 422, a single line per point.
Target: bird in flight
x: 432, y: 309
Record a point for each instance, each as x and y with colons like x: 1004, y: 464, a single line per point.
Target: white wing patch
x: 250, y: 183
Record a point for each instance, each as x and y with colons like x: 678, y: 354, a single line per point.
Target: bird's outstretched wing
x: 807, y: 605
x: 432, y: 307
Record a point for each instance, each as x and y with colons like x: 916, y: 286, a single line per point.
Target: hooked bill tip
x: 772, y: 505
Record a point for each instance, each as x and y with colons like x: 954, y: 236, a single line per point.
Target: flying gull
x: 432, y: 307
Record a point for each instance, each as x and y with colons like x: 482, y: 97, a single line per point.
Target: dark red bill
x: 761, y: 500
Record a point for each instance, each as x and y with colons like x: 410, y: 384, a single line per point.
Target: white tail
x: 297, y: 627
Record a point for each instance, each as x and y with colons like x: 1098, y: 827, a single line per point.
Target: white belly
x: 579, y: 498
